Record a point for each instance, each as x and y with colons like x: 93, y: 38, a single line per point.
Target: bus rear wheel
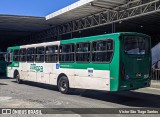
x: 63, y: 85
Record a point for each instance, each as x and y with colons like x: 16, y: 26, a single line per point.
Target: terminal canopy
x: 87, y: 16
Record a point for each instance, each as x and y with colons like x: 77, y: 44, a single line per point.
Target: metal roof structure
x: 81, y: 9
x: 95, y: 13
x: 83, y: 15
x: 12, y: 26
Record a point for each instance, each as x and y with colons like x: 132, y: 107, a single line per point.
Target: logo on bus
x: 36, y: 68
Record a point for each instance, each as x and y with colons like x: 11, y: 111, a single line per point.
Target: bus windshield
x: 136, y: 45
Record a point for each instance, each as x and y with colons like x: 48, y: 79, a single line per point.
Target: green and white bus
x: 110, y: 62
x: 2, y: 63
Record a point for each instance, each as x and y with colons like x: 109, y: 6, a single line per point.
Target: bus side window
x: 30, y: 54
x: 40, y: 52
x: 51, y: 54
x: 83, y: 52
x: 16, y: 55
x: 102, y: 50
x: 66, y: 53
x: 22, y: 55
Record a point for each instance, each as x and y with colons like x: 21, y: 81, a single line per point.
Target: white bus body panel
x: 78, y: 78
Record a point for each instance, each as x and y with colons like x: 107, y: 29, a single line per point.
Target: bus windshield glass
x: 136, y: 45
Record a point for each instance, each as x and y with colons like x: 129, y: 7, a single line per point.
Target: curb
x: 155, y: 84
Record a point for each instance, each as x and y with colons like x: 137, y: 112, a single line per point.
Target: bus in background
x: 2, y: 63
x: 110, y: 62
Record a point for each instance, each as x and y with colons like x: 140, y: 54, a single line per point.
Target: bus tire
x: 63, y: 85
x: 18, y: 80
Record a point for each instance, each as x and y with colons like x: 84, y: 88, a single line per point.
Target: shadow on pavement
x: 40, y: 85
x: 4, y: 77
x: 3, y: 84
x: 126, y: 98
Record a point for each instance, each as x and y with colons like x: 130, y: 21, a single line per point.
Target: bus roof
x: 89, y: 38
x: 100, y: 37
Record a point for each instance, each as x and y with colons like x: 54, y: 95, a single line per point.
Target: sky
x: 32, y: 7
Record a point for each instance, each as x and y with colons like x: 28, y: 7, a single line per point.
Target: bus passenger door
x: 82, y: 65
x: 40, y: 77
x: 24, y: 71
x: 32, y: 67
x: 24, y: 66
x: 32, y: 74
x: 9, y: 64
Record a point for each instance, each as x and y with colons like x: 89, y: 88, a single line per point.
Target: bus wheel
x: 18, y: 79
x: 63, y: 85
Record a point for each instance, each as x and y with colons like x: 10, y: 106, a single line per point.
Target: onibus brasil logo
x: 36, y: 68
